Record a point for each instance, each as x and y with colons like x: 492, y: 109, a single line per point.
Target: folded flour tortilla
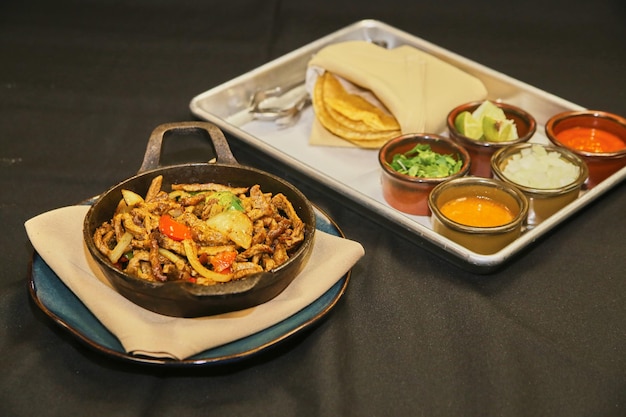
x: 417, y: 88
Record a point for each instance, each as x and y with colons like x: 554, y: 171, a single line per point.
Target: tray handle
x: 152, y: 157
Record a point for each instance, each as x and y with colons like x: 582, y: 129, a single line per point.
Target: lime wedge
x: 487, y: 108
x: 468, y: 126
x: 509, y: 130
x: 498, y: 130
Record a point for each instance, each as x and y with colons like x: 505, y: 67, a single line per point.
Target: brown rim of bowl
x: 471, y: 106
x: 502, y: 154
x: 463, y: 154
x: 514, y: 192
x: 591, y: 114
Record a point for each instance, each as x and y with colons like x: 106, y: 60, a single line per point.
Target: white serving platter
x: 354, y: 172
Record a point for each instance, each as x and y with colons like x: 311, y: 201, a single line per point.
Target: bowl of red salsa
x: 598, y: 137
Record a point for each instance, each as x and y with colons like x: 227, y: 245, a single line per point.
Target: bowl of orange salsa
x: 598, y: 137
x: 482, y: 214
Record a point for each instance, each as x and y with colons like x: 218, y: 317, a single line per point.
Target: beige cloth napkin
x: 57, y: 237
x: 418, y: 88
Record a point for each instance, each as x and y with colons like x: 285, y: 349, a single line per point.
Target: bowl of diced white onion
x: 550, y: 177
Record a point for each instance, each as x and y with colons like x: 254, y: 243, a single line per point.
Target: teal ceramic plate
x: 60, y: 304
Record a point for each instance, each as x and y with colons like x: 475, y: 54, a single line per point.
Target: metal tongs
x: 282, y: 104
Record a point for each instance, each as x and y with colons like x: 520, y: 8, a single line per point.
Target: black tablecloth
x: 82, y: 85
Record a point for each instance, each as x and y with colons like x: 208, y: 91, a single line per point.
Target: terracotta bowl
x: 481, y: 151
x: 601, y: 164
x: 407, y: 193
x: 543, y: 202
x: 481, y: 240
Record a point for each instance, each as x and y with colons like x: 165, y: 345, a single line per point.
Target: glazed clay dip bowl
x: 483, y: 240
x: 407, y: 193
x: 549, y: 176
x: 480, y: 151
x: 591, y: 125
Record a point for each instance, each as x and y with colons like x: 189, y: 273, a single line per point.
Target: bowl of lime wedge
x: 483, y: 127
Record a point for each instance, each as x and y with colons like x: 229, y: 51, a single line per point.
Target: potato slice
x: 234, y: 224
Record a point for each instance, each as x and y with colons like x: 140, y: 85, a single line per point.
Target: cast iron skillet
x: 183, y: 299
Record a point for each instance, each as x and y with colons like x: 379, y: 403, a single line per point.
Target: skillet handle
x: 152, y: 157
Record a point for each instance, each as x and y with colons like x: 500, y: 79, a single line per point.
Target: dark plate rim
x: 199, y: 359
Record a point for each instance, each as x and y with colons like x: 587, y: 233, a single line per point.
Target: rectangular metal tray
x: 355, y: 172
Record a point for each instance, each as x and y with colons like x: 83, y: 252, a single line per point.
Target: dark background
x: 82, y: 85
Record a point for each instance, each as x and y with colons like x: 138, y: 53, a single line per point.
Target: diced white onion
x: 536, y: 167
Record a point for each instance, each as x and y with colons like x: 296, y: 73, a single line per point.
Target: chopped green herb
x: 423, y: 162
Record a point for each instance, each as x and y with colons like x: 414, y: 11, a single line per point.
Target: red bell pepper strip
x: 173, y: 229
x: 222, y: 261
